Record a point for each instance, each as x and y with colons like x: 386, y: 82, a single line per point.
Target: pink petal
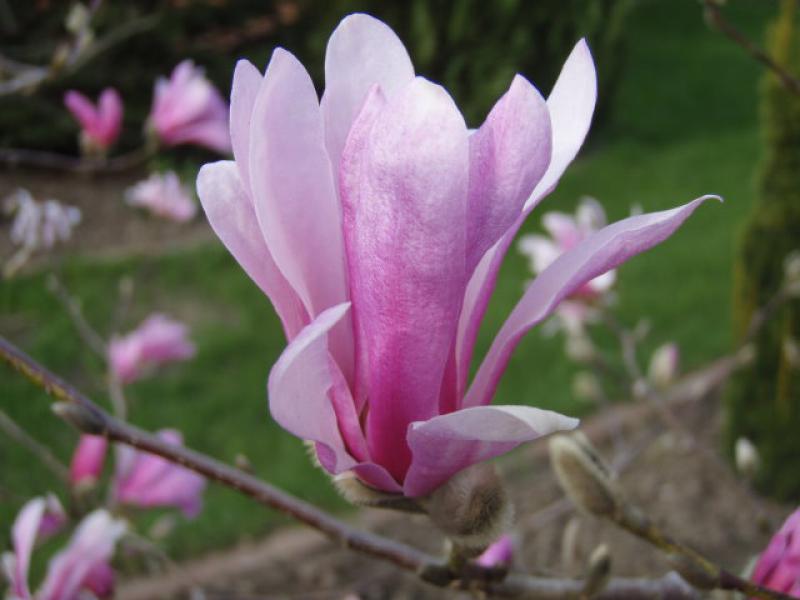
x: 446, y: 444
x: 87, y: 461
x: 508, y: 155
x: 295, y: 195
x: 74, y: 568
x: 500, y: 553
x: 600, y: 252
x: 100, y: 580
x: 362, y: 51
x: 571, y: 105
x: 209, y: 133
x: 403, y: 184
x: 231, y: 214
x: 109, y: 108
x: 23, y: 535
x: 246, y: 82
x: 81, y: 108
x: 300, y: 385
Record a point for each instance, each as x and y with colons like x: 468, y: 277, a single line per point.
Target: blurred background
x: 678, y: 117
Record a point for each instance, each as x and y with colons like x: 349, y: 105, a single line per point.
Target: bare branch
x: 20, y: 157
x: 85, y: 414
x: 717, y: 20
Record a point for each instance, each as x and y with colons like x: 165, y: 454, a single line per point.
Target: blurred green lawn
x: 684, y: 124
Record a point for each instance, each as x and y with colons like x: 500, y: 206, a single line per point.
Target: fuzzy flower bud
x: 664, y: 365
x: 583, y: 476
x: 747, y: 457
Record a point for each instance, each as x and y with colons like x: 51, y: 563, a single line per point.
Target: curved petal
x: 444, y: 445
x: 23, y: 535
x: 403, y: 183
x: 244, y: 89
x: 75, y: 567
x: 300, y: 386
x: 230, y: 212
x: 362, y: 51
x: 294, y: 194
x: 571, y: 106
x: 81, y: 108
x: 598, y: 253
x: 209, y: 133
x: 508, y: 155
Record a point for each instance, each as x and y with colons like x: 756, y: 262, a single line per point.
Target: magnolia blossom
x: 40, y: 225
x: 664, y: 363
x: 376, y: 222
x: 146, y: 480
x: 778, y: 567
x: 157, y: 341
x: 101, y: 124
x: 499, y: 554
x: 164, y: 196
x: 565, y: 233
x: 83, y: 566
x: 188, y: 109
x: 87, y: 460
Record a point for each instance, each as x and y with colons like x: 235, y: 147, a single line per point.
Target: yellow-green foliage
x: 764, y: 403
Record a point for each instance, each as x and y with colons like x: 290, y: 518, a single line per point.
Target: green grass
x: 683, y: 125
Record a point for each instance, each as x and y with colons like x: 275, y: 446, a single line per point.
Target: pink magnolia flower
x: 376, y: 223
x: 778, y: 567
x: 664, y: 363
x: 82, y: 566
x: 87, y: 460
x: 188, y: 109
x: 165, y: 196
x: 146, y: 480
x: 157, y: 341
x: 500, y: 553
x: 101, y: 124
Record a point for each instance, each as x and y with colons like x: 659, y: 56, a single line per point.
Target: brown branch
x: 21, y: 157
x: 87, y: 416
x: 716, y: 20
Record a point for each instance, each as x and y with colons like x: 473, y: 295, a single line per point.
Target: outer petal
x: 300, y: 386
x: 232, y: 216
x: 571, y: 105
x: 600, y: 252
x: 81, y: 108
x: 403, y: 184
x: 444, y: 445
x: 109, y: 108
x: 210, y: 133
x: 362, y: 51
x: 295, y: 196
x: 508, y: 155
x: 23, y: 535
x: 87, y: 461
x: 76, y: 567
x: 246, y: 82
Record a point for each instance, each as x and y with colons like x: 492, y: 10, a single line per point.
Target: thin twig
x: 87, y: 415
x: 716, y: 20
x: 20, y: 157
x: 14, y: 431
x: 73, y: 308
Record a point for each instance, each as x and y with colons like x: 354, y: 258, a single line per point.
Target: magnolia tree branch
x: 90, y: 418
x: 20, y: 157
x: 717, y: 20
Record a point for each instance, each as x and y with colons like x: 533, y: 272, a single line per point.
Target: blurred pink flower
x: 567, y: 231
x: 188, y: 109
x: 148, y: 481
x: 82, y: 566
x: 499, y: 554
x: 163, y: 195
x: 778, y: 567
x: 664, y: 364
x: 87, y: 460
x: 376, y: 223
x: 157, y: 341
x: 101, y: 124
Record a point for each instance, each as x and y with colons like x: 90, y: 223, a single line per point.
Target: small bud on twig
x: 81, y: 417
x: 747, y: 458
x: 583, y: 475
x: 598, y: 571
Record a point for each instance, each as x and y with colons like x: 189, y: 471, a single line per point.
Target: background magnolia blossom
x: 100, y: 124
x: 188, y: 109
x: 163, y: 195
x: 376, y: 224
